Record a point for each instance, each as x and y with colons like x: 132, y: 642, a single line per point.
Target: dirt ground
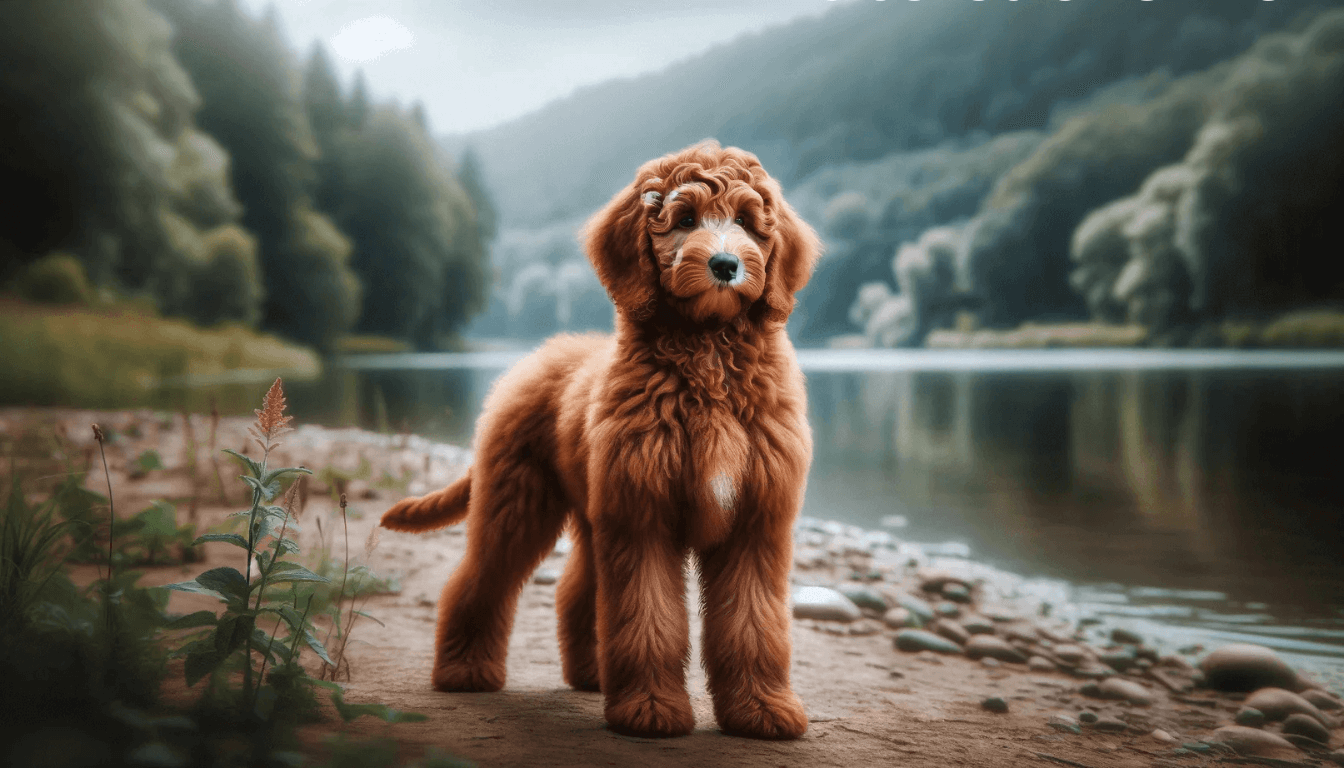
x: 868, y: 703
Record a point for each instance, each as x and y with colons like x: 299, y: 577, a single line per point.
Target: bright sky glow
x: 369, y: 38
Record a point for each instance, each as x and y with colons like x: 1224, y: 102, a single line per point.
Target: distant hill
x: 973, y: 88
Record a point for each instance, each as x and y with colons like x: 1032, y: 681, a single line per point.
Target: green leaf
x: 231, y: 538
x: 160, y: 519
x: 226, y: 581
x: 148, y: 461
x: 193, y: 620
x: 276, y: 474
x: 201, y: 664
x: 248, y: 463
x: 349, y: 712
x: 317, y: 646
x: 294, y: 572
x: 370, y: 618
x: 273, y: 649
x: 268, y: 490
x: 289, y: 546
x: 195, y: 588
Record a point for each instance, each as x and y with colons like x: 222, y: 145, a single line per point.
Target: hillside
x: 931, y: 103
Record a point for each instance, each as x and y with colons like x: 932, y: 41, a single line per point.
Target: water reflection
x: 1208, y: 479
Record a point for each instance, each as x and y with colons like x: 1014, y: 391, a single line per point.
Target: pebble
x: 1128, y: 690
x: 1125, y: 637
x: 864, y: 597
x: 1110, y: 725
x: 1064, y: 724
x: 957, y: 592
x: 1087, y: 717
x: 995, y: 704
x: 947, y: 608
x: 951, y: 630
x: 865, y: 628
x: 1305, y: 725
x: 1119, y: 659
x: 1322, y: 700
x: 1246, y: 667
x: 921, y: 610
x: 1278, y: 704
x: 1253, y: 741
x: 823, y: 604
x: 1073, y: 655
x: 1090, y: 690
x: 1163, y: 736
x: 1337, y: 757
x: 977, y: 625
x: 1040, y: 664
x: 994, y: 647
x: 935, y: 581
x: 897, y: 618
x: 545, y: 576
x: 911, y: 640
x: 1250, y: 717
x: 991, y: 662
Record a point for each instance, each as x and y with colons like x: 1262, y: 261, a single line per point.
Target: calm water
x: 1194, y: 494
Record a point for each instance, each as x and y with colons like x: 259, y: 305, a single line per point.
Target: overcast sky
x: 477, y: 63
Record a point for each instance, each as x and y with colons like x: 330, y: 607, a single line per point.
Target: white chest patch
x: 724, y: 489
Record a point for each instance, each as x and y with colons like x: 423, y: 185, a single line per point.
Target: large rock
x: 1323, y: 700
x: 864, y: 597
x: 980, y: 646
x: 1278, y: 704
x: 1253, y: 741
x: 914, y: 640
x: 823, y: 604
x: 1247, y: 667
x: 1305, y: 725
x: 1127, y: 690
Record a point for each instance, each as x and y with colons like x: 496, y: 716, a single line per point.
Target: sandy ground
x: 868, y: 703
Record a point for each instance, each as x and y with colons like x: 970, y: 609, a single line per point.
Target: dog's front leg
x: 745, y: 587
x: 643, y: 637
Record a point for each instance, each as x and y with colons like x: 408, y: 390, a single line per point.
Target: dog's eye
x: 687, y: 222
x: 740, y: 221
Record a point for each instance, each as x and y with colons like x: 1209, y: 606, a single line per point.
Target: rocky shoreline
x: 902, y: 652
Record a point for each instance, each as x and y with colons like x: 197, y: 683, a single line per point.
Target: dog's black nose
x: 724, y: 266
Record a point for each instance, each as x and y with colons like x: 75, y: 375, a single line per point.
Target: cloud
x: 370, y: 38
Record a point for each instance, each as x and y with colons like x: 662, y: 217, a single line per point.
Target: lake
x: 1194, y: 493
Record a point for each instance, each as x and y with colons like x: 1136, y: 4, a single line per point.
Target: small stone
x: 1064, y: 724
x: 990, y: 662
x: 1320, y: 699
x: 1246, y: 667
x: 1163, y: 736
x: 1306, y: 725
x: 824, y: 604
x: 948, y: 609
x: 864, y: 597
x: 1119, y: 659
x: 921, y: 610
x: 929, y: 657
x: 1337, y: 757
x: 951, y: 630
x: 1278, y: 704
x: 897, y: 618
x: 989, y: 645
x: 913, y: 640
x: 1250, y: 717
x: 957, y: 592
x: 1040, y: 664
x: 864, y: 628
x: 1127, y: 690
x: 977, y: 625
x: 995, y: 704
x: 1090, y: 690
x: 1125, y: 637
x: 1110, y: 725
x: 1087, y: 717
x: 1073, y: 655
x: 1253, y: 741
x: 545, y: 576
x: 935, y: 581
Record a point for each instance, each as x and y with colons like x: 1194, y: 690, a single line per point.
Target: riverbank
x: 869, y: 701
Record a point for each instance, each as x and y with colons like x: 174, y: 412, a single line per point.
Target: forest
x: 178, y: 154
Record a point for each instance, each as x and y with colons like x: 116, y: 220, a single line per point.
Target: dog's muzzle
x: 724, y: 266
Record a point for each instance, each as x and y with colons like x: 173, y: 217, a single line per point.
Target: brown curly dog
x: 685, y: 432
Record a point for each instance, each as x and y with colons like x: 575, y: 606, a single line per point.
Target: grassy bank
x: 120, y: 356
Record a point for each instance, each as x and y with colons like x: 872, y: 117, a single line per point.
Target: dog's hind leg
x: 517, y: 512
x: 576, y: 606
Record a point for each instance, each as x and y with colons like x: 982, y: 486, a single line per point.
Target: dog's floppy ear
x: 617, y: 242
x: 794, y: 249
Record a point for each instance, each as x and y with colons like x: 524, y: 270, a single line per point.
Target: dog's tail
x: 436, y: 510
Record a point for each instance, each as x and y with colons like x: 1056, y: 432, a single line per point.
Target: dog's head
x: 706, y: 232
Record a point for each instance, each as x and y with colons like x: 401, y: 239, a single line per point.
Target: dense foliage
x: 175, y: 150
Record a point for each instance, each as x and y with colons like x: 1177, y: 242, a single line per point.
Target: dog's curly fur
x: 685, y: 433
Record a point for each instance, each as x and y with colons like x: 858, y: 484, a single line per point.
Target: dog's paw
x: 771, y: 716
x: 460, y: 676
x: 649, y: 716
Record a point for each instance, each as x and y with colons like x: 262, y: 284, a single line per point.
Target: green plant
x: 31, y: 543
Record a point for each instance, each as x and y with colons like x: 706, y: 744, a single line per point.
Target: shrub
x: 57, y: 278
